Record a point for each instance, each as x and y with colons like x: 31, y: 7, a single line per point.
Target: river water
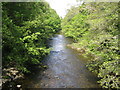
x: 66, y: 69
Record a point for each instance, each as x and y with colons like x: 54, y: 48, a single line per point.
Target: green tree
x: 95, y: 29
x: 26, y: 27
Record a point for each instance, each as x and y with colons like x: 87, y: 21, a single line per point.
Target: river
x: 66, y: 69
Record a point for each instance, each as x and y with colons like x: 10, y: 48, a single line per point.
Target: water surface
x: 66, y: 69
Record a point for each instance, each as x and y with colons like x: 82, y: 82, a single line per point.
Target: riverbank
x: 10, y: 75
x: 25, y: 30
x: 81, y: 51
x: 13, y: 78
x: 95, y: 29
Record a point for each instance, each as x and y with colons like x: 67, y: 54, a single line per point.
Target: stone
x: 18, y: 86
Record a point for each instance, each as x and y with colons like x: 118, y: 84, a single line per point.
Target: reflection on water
x: 65, y: 69
x: 58, y: 43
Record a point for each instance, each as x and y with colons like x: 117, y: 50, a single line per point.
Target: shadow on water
x: 66, y: 69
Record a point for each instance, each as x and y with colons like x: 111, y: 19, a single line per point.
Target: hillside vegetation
x: 95, y: 29
x: 26, y: 26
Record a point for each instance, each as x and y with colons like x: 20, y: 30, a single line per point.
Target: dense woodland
x: 26, y: 27
x: 94, y: 28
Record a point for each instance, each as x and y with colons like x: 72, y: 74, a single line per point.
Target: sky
x: 61, y: 6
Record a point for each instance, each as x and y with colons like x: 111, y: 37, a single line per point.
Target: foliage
x: 95, y: 28
x: 26, y: 27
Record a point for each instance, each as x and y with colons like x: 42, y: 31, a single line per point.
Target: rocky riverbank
x: 81, y: 51
x: 10, y: 75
